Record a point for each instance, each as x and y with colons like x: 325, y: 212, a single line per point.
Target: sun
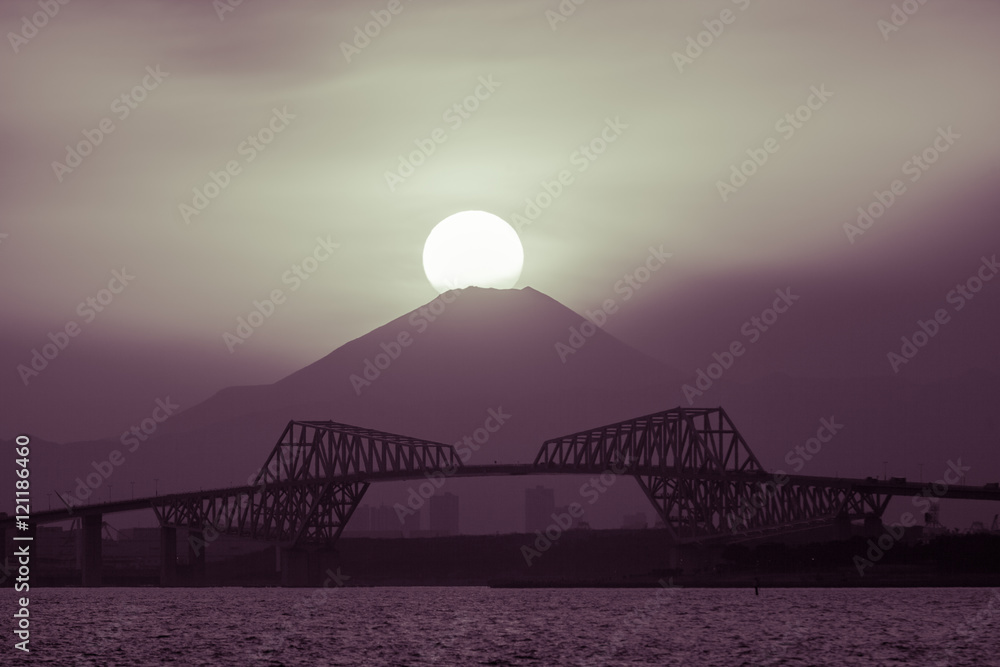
x: 473, y: 249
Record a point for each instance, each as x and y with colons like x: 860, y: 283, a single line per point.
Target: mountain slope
x: 433, y: 373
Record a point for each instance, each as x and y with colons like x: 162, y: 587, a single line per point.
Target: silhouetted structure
x: 693, y: 465
x: 411, y: 524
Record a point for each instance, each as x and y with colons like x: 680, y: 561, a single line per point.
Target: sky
x: 648, y: 129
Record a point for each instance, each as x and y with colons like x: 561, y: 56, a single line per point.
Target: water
x: 479, y: 626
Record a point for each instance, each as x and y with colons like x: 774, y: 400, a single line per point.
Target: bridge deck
x: 868, y: 485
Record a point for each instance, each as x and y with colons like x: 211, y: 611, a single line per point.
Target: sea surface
x: 481, y: 626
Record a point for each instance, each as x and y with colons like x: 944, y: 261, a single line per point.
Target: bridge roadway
x: 869, y: 485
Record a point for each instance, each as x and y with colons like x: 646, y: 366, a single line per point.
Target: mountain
x: 437, y: 371
x: 433, y: 373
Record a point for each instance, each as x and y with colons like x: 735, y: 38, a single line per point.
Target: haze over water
x: 468, y: 626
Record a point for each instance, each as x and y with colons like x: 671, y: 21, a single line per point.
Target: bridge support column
x: 168, y: 556
x: 196, y: 556
x: 89, y: 550
x: 843, y: 527
x: 300, y: 567
x: 873, y: 525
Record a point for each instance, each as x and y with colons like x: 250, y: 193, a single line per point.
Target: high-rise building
x: 539, y: 504
x: 634, y: 521
x: 411, y: 522
x: 444, y: 514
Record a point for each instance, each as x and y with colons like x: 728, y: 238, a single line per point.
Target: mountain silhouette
x: 436, y: 372
x: 433, y: 373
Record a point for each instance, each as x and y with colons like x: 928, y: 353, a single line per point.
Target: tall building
x: 634, y: 521
x: 444, y: 514
x: 539, y: 504
x: 411, y: 523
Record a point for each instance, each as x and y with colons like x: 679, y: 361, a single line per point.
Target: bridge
x: 703, y: 480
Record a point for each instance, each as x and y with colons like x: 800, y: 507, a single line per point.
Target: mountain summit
x: 433, y: 373
x: 440, y: 371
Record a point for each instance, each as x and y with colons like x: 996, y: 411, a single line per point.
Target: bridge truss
x: 703, y: 479
x: 310, y: 485
x: 694, y: 466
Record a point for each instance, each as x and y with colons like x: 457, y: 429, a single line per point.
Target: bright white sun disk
x: 473, y: 248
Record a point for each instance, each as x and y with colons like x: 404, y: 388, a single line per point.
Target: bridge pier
x: 168, y: 556
x: 843, y: 527
x: 196, y: 555
x: 89, y: 550
x: 873, y: 525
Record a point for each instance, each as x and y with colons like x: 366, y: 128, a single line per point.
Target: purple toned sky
x: 323, y: 176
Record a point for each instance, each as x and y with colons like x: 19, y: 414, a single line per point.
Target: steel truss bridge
x: 701, y: 477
